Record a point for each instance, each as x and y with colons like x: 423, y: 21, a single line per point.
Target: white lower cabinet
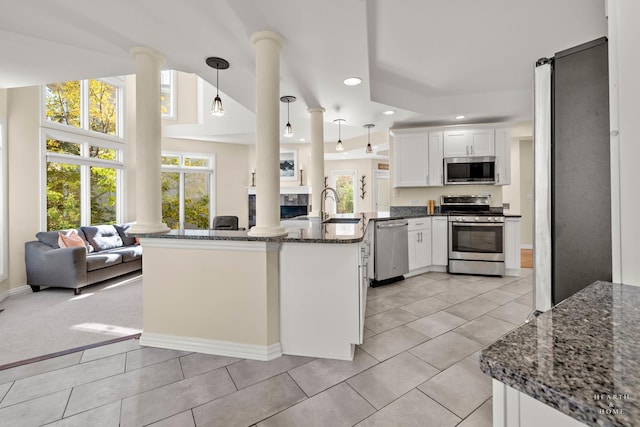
x: 440, y: 241
x: 419, y: 234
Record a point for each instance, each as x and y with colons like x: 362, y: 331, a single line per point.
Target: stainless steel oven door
x: 476, y: 241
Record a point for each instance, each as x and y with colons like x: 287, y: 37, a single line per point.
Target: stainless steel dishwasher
x: 391, y: 254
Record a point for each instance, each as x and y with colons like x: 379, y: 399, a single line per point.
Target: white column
x: 317, y: 158
x: 148, y: 142
x: 267, y: 45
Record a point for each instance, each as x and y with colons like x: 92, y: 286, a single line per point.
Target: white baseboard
x: 526, y: 246
x: 215, y: 347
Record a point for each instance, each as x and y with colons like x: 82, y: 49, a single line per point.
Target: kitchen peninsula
x: 575, y: 364
x: 228, y: 293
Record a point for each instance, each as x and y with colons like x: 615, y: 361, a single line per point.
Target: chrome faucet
x: 323, y: 197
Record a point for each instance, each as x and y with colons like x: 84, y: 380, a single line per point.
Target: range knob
x: 459, y: 219
x: 477, y: 218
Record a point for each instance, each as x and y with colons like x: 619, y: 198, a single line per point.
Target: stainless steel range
x: 476, y: 235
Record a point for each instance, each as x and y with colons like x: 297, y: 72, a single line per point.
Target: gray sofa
x: 109, y: 252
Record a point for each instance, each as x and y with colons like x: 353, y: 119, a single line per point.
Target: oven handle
x: 479, y: 224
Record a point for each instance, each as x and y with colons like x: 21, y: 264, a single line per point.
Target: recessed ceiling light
x: 389, y: 112
x: 352, y: 81
x: 301, y: 139
x: 460, y: 117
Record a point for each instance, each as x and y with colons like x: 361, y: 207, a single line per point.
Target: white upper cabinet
x: 466, y: 143
x: 436, y: 170
x: 411, y: 159
x: 503, y: 156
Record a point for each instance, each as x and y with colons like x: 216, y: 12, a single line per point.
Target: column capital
x: 316, y: 110
x: 143, y: 50
x: 267, y: 35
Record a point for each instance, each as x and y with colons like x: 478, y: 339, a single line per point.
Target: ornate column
x: 148, y: 142
x: 317, y: 158
x: 267, y: 45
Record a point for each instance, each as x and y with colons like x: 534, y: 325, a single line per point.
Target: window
x: 83, y: 153
x: 4, y: 215
x: 187, y: 191
x: 167, y: 94
x: 344, y: 182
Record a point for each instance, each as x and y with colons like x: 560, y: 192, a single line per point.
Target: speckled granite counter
x: 582, y: 357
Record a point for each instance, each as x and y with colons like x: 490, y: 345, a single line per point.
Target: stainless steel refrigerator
x: 572, y: 173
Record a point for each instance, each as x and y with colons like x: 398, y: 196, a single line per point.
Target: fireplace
x: 294, y: 201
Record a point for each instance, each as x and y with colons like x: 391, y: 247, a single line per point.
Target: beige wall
x: 526, y: 192
x: 23, y: 138
x: 4, y: 283
x: 511, y: 192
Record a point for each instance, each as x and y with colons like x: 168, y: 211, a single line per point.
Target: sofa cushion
x: 99, y: 260
x: 70, y: 239
x: 129, y: 253
x: 122, y: 231
x: 49, y: 238
x: 102, y: 237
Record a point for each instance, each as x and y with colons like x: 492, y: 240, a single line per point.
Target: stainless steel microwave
x: 470, y: 170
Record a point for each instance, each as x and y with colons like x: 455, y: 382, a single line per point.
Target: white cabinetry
x: 512, y: 246
x: 411, y: 159
x: 419, y: 243
x: 503, y: 156
x: 465, y: 143
x: 436, y: 154
x: 439, y: 241
x: 417, y: 158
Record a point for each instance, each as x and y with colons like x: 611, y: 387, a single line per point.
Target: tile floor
x: 418, y: 366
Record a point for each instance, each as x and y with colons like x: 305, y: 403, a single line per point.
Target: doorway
x: 381, y: 191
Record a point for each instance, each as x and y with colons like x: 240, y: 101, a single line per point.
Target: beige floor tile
x: 461, y: 388
x: 446, y: 349
x: 104, y: 416
x: 339, y: 406
x: 436, y: 324
x: 250, y: 405
x: 4, y: 388
x: 512, y: 312
x: 484, y: 285
x: 320, y: 374
x: 172, y: 399
x: 472, y: 308
x: 197, y: 363
x: 368, y: 333
x: 183, y: 419
x: 147, y: 356
x: 249, y: 372
x: 36, y: 368
x: 526, y: 299
x: 458, y: 294
x: 388, y: 320
x: 35, y: 412
x: 379, y: 304
x: 519, y: 287
x: 485, y: 329
x: 110, y: 350
x: 385, y: 382
x: 117, y: 387
x: 63, y: 379
x: 426, y: 306
x: 499, y: 296
x: 388, y: 344
x: 481, y: 417
x: 412, y: 410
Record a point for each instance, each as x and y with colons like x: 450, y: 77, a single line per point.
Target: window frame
x: 86, y: 138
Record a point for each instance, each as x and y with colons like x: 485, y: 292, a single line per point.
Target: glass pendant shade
x: 369, y: 149
x: 216, y: 108
x: 288, y: 130
x: 339, y: 146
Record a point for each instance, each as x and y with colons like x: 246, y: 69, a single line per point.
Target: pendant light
x: 369, y: 126
x: 288, y: 130
x: 219, y: 64
x: 339, y: 146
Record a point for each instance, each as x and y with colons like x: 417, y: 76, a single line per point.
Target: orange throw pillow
x: 71, y: 238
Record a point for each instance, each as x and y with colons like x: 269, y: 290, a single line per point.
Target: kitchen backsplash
x: 417, y: 197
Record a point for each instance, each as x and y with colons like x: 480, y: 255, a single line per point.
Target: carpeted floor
x: 53, y: 320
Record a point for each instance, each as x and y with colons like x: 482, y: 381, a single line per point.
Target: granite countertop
x: 582, y: 357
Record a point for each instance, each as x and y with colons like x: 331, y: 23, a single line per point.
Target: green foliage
x: 344, y: 189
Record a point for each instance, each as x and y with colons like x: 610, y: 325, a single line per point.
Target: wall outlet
x: 506, y: 205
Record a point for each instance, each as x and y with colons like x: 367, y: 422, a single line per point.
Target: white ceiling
x: 429, y: 60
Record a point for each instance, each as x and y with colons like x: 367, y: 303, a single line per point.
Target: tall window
x: 187, y: 191
x: 167, y: 93
x: 81, y: 131
x: 344, y: 182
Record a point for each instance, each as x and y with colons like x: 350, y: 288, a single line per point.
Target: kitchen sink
x: 341, y: 221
